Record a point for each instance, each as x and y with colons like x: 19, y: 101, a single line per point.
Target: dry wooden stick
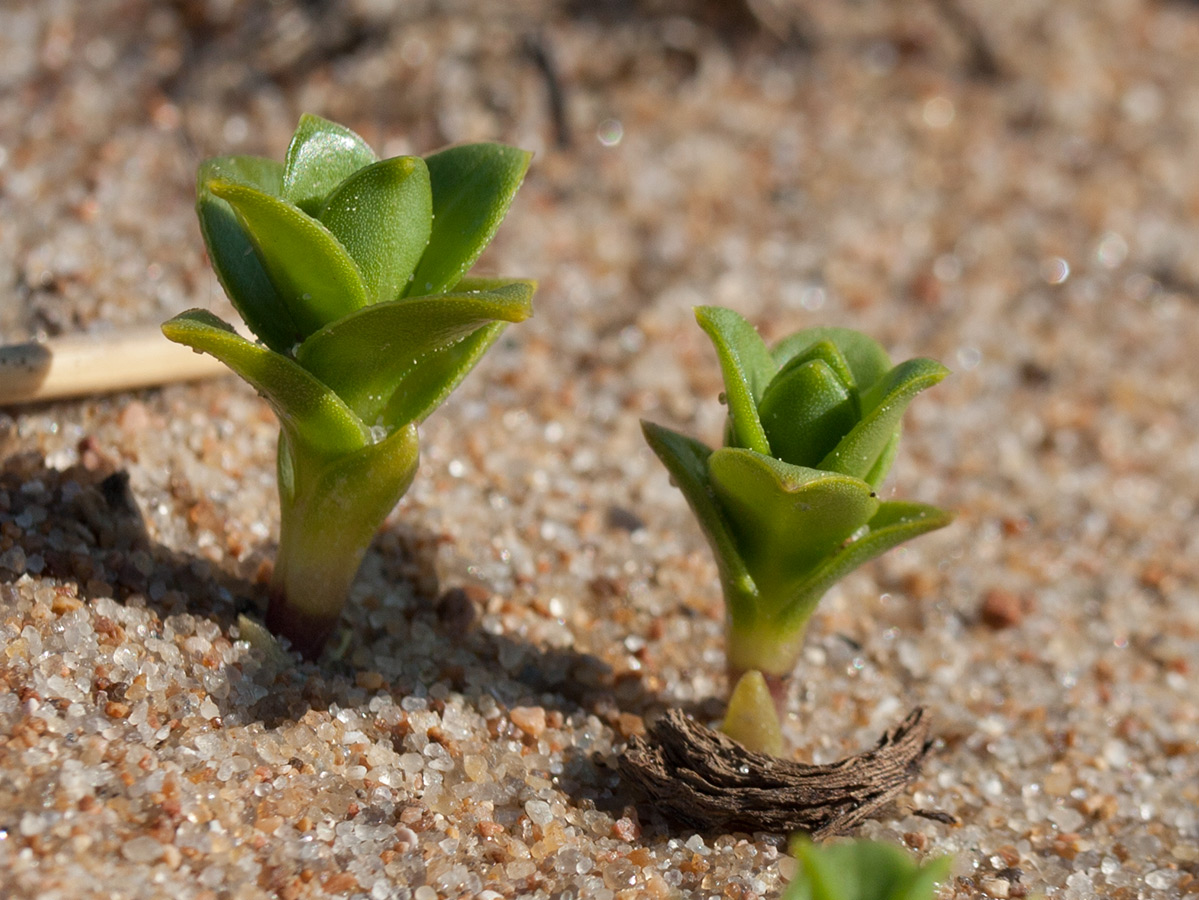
x: 81, y: 365
x: 706, y: 780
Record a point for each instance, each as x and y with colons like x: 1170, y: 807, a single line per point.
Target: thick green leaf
x: 473, y: 186
x: 805, y: 412
x: 382, y: 215
x: 894, y: 523
x: 828, y: 352
x: 440, y: 371
x: 313, y: 274
x: 436, y: 374
x: 686, y: 459
x: 237, y: 266
x: 883, y: 405
x: 321, y: 156
x: 878, y: 472
x: 365, y: 356
x: 786, y: 518
x: 747, y: 368
x: 310, y: 413
x: 862, y: 870
x: 867, y: 360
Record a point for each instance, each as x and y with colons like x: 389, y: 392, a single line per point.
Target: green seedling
x: 351, y: 273
x: 790, y: 503
x: 863, y: 870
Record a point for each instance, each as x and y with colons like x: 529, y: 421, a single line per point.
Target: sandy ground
x: 1011, y: 188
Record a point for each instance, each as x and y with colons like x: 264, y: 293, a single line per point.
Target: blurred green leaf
x: 862, y: 870
x: 322, y: 154
x: 382, y: 215
x: 311, y: 414
x: 396, y: 336
x: 747, y: 368
x: 883, y: 405
x: 237, y: 266
x: 314, y: 276
x: 473, y: 186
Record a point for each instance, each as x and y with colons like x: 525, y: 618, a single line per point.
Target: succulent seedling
x: 351, y: 273
x: 790, y: 503
x: 862, y: 870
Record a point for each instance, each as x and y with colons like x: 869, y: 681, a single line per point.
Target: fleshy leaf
x: 805, y: 411
x: 394, y: 336
x: 310, y: 413
x: 473, y: 186
x: 382, y: 215
x: 686, y: 459
x: 862, y: 870
x: 439, y: 372
x: 321, y: 156
x: 751, y: 719
x: 786, y: 518
x: 883, y: 405
x: 313, y: 274
x: 878, y: 472
x: 894, y: 523
x: 237, y: 266
x: 747, y: 368
x: 866, y: 358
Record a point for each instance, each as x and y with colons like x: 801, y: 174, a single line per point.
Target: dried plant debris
x: 705, y: 780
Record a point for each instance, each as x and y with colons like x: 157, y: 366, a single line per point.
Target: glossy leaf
x: 686, y: 459
x: 382, y: 215
x: 437, y: 374
x: 878, y: 472
x: 473, y: 186
x: 310, y: 413
x: 883, y: 405
x: 805, y: 411
x: 893, y: 523
x: 315, y: 277
x: 747, y: 368
x: 237, y: 265
x: 321, y: 156
x: 365, y: 356
x: 863, y: 870
x: 786, y: 518
x: 866, y: 359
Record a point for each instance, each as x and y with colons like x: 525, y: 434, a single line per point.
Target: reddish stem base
x: 306, y: 632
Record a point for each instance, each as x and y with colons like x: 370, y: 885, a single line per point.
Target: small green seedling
x: 790, y: 503
x: 863, y: 870
x: 351, y: 272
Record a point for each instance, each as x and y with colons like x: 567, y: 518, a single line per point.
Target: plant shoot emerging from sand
x: 862, y: 870
x: 789, y: 504
x: 351, y: 272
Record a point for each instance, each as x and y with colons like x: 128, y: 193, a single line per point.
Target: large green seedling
x: 790, y: 503
x: 351, y: 272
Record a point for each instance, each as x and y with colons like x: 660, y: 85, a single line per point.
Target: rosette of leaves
x: 863, y: 870
x: 351, y: 273
x: 790, y: 503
